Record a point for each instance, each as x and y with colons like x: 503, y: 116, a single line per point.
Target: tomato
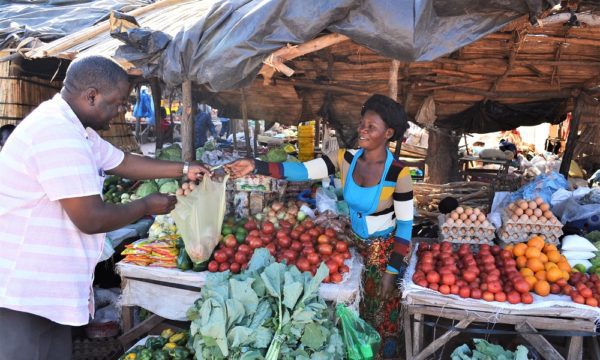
x: 338, y: 258
x: 332, y: 265
x: 213, y: 266
x: 244, y: 248
x: 336, y: 278
x: 305, y: 237
x: 344, y: 269
x: 295, y: 234
x: 444, y: 289
x: 434, y: 287
x: 268, y: 228
x: 235, y: 267
x: 469, y: 276
x: 577, y: 298
x: 296, y: 246
x: 476, y: 294
x: 526, y: 298
x: 325, y: 249
x: 464, y: 292
x: 240, y: 257
x: 321, y: 239
x: 330, y: 232
x: 555, y: 289
x: 285, y: 225
x: 586, y: 292
x: 347, y: 255
x: 307, y: 250
x: 433, y: 277
x: 220, y: 256
x: 228, y: 251
x: 230, y: 241
x: 309, y: 224
x: 448, y: 279
x: 302, y: 264
x: 313, y: 258
x: 224, y: 266
x: 290, y: 256
x: 454, y: 289
x: 284, y: 243
x: 494, y: 287
x: 300, y: 228
x: 254, y: 233
x: 487, y: 296
x: 492, y: 277
x: 256, y: 243
x: 272, y: 248
x: 422, y: 283
x: 280, y: 233
x: 500, y: 296
x: 314, y: 233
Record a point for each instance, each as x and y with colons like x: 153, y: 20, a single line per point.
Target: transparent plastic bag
x: 326, y: 200
x: 199, y: 217
x: 361, y: 340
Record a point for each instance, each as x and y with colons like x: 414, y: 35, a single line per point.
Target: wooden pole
x: 393, y: 94
x: 156, y: 96
x: 233, y: 126
x: 187, y: 122
x: 256, y: 132
x: 572, y: 138
x: 442, y: 157
x: 245, y: 120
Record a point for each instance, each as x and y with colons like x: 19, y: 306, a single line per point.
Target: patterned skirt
x: 384, y: 316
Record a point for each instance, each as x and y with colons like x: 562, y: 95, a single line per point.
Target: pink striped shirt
x: 46, y: 263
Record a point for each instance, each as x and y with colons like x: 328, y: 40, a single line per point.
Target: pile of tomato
x: 306, y: 246
x: 490, y: 274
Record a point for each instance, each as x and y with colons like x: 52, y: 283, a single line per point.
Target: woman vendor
x: 378, y: 190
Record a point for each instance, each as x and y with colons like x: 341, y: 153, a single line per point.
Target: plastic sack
x: 577, y: 243
x: 326, y: 200
x: 361, y: 339
x: 578, y: 255
x: 570, y: 211
x: 199, y: 217
x: 543, y: 186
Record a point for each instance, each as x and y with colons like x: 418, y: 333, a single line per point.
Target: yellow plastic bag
x: 199, y: 217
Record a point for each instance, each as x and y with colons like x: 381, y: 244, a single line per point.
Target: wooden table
x: 467, y: 168
x: 417, y: 305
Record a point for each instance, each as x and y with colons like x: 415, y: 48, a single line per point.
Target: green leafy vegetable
x: 146, y: 188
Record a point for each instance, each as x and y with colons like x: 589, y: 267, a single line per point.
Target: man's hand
x: 388, y: 285
x: 240, y: 168
x: 197, y: 171
x: 159, y: 204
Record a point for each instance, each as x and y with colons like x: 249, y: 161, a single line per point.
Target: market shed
x: 477, y: 69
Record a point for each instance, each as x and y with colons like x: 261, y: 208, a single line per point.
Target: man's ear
x: 91, y: 95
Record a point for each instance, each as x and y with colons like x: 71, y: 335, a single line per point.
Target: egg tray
x: 461, y: 233
x: 467, y: 240
x: 524, y: 236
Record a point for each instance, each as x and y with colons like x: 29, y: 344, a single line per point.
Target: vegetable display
x: 270, y: 311
x: 170, y: 345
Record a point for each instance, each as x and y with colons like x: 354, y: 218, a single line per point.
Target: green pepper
x: 240, y: 237
x: 161, y: 355
x: 179, y: 338
x: 179, y: 244
x: 183, y: 260
x: 155, y: 343
x: 167, y: 333
x: 179, y: 353
x: 200, y: 266
x: 145, y: 354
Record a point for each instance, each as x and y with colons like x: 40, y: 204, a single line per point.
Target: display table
x: 555, y: 313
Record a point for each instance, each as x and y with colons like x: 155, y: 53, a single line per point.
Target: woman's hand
x: 197, y: 171
x: 388, y: 285
x: 240, y: 168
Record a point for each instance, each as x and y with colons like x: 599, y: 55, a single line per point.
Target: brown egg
x: 472, y: 217
x: 523, y: 204
x: 539, y: 201
x: 467, y: 222
x: 460, y: 210
x: 529, y: 212
x: 511, y: 206
x: 548, y: 215
x: 514, y: 218
x: 450, y: 221
x: 544, y: 207
x: 463, y: 216
x: 524, y: 217
x: 538, y: 212
x: 477, y: 223
x: 519, y: 211
x: 468, y: 211
x: 533, y: 218
x: 458, y: 222
x: 486, y: 223
x: 481, y: 217
x: 476, y: 211
x: 532, y: 205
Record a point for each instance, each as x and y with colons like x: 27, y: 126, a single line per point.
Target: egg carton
x: 516, y: 237
x: 481, y: 231
x: 468, y: 240
x: 507, y: 218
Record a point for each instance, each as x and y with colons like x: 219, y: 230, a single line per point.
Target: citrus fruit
x: 553, y: 255
x: 542, y: 288
x: 532, y: 252
x: 521, y: 261
x: 540, y: 275
x: 535, y: 265
x: 531, y: 280
x: 526, y: 272
x: 519, y: 249
x: 554, y: 274
x: 536, y: 242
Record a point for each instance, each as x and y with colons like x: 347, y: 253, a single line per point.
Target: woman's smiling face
x: 373, y: 132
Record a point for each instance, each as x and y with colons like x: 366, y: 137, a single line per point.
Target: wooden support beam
x: 517, y: 42
x: 324, y: 87
x: 572, y: 138
x: 393, y: 80
x: 233, y: 125
x: 538, y: 341
x: 442, y: 157
x: 575, y: 348
x: 275, y: 61
x: 187, y: 122
x: 437, y: 343
x: 563, y: 93
x: 407, y: 333
x: 560, y: 19
x: 245, y: 123
x: 156, y: 97
x: 129, y: 337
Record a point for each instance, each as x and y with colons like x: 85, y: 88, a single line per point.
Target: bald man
x: 52, y: 217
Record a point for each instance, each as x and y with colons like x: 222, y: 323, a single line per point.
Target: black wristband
x: 261, y: 167
x: 396, y: 260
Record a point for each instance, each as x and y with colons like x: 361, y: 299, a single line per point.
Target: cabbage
x: 276, y: 155
x: 161, y: 182
x: 147, y: 188
x: 171, y: 153
x: 169, y: 187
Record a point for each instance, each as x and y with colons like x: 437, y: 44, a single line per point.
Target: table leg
x: 575, y: 348
x: 127, y: 315
x: 418, y: 333
x: 408, y: 334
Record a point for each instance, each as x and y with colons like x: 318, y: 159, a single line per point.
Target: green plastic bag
x: 199, y: 217
x: 361, y: 340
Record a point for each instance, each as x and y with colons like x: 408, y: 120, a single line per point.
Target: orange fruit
x: 550, y: 265
x: 526, y: 272
x: 564, y: 266
x: 550, y: 247
x: 565, y: 275
x: 535, y: 265
x: 554, y: 274
x: 531, y: 280
x: 532, y: 252
x: 543, y: 258
x: 540, y: 275
x: 553, y: 255
x: 521, y: 262
x: 563, y: 258
x: 509, y: 247
x: 536, y: 242
x: 542, y: 288
x: 519, y: 249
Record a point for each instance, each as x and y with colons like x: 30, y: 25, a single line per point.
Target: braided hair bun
x: 391, y: 112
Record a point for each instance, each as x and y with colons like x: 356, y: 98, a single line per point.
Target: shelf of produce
x: 169, y: 293
x: 553, y: 312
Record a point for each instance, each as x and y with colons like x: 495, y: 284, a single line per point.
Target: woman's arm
x: 404, y: 209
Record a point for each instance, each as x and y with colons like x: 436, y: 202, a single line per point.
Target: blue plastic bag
x: 543, y: 186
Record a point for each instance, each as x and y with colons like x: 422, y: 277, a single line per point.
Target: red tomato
x: 435, y: 287
x: 433, y: 277
x: 422, y: 283
x: 302, y: 264
x: 314, y: 233
x: 330, y: 232
x: 295, y: 234
x: 336, y: 278
x: 284, y: 242
x: 344, y: 269
x: 220, y: 256
x: 296, y: 246
x: 586, y: 292
x: 268, y: 228
x: 280, y: 234
x: 224, y: 266
x: 476, y: 294
x: 240, y: 257
x: 213, y: 266
x: 347, y: 255
x: 487, y: 296
x: 305, y: 237
x: 444, y: 289
x: 235, y: 268
x: 469, y: 276
x: 256, y: 243
x: 333, y: 266
x: 454, y: 289
x: 325, y: 249
x: 513, y: 297
x: 464, y: 292
x: 285, y: 225
x: 289, y: 255
x: 300, y: 228
x: 272, y: 248
x: 500, y: 296
x: 254, y: 233
x: 448, y: 279
x: 230, y: 241
x: 494, y: 287
x: 308, y: 224
x: 338, y: 258
x: 555, y: 289
x: 321, y: 239
x: 526, y: 298
x: 314, y: 258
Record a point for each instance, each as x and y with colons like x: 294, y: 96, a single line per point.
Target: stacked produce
x: 545, y: 270
x: 522, y: 219
x: 117, y: 190
x: 306, y: 142
x: 467, y: 225
x: 161, y: 252
x: 271, y: 311
x: 170, y: 345
x: 305, y: 245
x: 491, y: 274
x: 123, y: 191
